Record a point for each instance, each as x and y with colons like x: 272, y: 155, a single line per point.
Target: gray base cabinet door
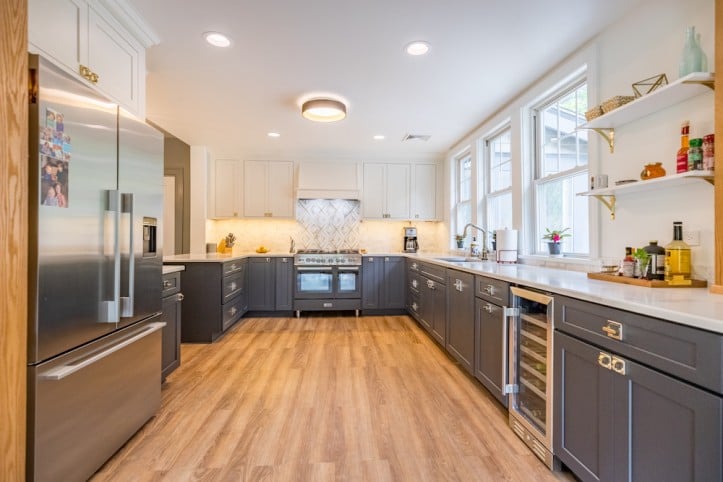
x: 261, y: 284
x: 372, y: 275
x: 490, y: 354
x: 460, y: 318
x: 394, y: 286
x: 171, y: 337
x: 284, y: 284
x: 620, y: 421
x: 433, y: 309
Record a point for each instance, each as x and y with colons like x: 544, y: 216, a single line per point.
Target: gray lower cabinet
x: 618, y: 419
x: 432, y: 298
x: 284, y: 284
x: 491, y: 335
x: 461, y: 318
x: 215, y: 298
x: 383, y: 283
x: 271, y: 284
x: 171, y: 316
x: 262, y: 284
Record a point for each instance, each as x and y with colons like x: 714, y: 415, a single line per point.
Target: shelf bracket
x: 608, y: 135
x: 708, y: 83
x: 609, y: 201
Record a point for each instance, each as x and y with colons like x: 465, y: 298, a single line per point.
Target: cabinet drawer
x: 232, y: 311
x: 434, y: 272
x: 413, y: 304
x: 171, y: 284
x: 232, y: 286
x: 493, y: 290
x: 688, y: 353
x: 232, y: 267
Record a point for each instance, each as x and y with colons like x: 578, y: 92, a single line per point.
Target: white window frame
x: 489, y: 194
x: 457, y: 160
x: 562, y: 89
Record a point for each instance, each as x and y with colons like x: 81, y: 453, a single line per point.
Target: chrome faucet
x: 483, y: 253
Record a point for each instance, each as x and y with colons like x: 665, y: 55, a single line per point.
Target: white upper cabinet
x: 227, y: 188
x: 424, y: 192
x: 268, y: 189
x: 386, y: 191
x: 89, y: 43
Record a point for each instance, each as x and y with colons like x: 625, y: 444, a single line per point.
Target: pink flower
x: 555, y: 238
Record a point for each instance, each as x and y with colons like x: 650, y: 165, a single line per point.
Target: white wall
x: 647, y: 41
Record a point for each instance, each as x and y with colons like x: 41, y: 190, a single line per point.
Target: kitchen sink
x: 459, y: 259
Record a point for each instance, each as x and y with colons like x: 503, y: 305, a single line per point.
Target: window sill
x: 570, y: 263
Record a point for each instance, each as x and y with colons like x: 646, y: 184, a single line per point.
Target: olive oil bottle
x: 677, y: 258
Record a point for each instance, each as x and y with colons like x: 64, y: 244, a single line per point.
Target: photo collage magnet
x: 55, y: 151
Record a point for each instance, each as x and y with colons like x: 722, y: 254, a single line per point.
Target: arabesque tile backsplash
x: 325, y: 224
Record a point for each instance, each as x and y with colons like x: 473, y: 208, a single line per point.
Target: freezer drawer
x: 84, y: 405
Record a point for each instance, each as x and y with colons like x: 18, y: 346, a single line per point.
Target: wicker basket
x: 593, y: 113
x: 615, y: 102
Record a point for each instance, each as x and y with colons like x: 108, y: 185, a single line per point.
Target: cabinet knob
x: 618, y: 366
x: 268, y: 260
x: 414, y: 283
x: 371, y: 260
x: 167, y: 284
x: 232, y: 311
x: 179, y: 297
x: 604, y: 360
x: 488, y: 308
x: 284, y: 260
x: 490, y: 290
x: 430, y: 284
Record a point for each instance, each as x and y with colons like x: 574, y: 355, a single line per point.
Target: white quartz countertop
x: 220, y: 258
x: 695, y: 307
x: 173, y: 268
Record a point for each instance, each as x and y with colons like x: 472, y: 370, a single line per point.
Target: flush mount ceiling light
x: 323, y: 110
x: 217, y: 39
x: 418, y: 47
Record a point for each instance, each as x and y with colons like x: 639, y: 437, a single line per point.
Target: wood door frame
x: 718, y: 196
x: 13, y: 236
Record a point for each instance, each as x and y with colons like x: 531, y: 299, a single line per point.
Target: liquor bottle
x: 677, y: 257
x: 682, y: 159
x: 656, y: 265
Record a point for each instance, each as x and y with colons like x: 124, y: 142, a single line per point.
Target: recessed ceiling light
x: 418, y: 47
x: 379, y: 137
x: 273, y: 134
x: 217, y: 39
x: 323, y: 110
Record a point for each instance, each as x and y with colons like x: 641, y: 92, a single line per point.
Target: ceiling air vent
x: 416, y: 137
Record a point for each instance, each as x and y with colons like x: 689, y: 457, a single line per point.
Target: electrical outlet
x: 692, y: 237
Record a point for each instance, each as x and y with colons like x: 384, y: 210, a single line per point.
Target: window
x: 463, y: 204
x: 561, y: 168
x: 498, y: 167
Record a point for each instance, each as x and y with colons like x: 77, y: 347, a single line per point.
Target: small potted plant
x: 553, y: 238
x: 460, y: 240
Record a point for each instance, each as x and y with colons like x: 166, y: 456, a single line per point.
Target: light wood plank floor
x: 324, y: 399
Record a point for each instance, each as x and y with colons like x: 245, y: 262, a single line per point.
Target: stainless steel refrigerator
x: 95, y: 262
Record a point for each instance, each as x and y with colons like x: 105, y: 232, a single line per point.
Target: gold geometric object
x: 646, y: 86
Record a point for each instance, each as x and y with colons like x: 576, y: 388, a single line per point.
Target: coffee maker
x: 410, y: 240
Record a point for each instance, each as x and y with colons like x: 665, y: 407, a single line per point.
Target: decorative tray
x: 695, y: 283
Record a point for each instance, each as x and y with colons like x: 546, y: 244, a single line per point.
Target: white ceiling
x: 483, y: 53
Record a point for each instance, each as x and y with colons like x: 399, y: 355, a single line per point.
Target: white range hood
x: 328, y: 180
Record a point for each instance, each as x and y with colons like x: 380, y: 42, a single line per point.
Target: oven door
x: 348, y: 282
x: 314, y: 282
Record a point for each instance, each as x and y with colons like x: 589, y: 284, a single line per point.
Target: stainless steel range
x: 327, y: 280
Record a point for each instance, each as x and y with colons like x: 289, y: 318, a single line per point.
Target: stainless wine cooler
x: 530, y: 371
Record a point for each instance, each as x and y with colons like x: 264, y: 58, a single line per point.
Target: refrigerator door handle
x: 58, y: 373
x: 126, y: 302
x: 108, y: 309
